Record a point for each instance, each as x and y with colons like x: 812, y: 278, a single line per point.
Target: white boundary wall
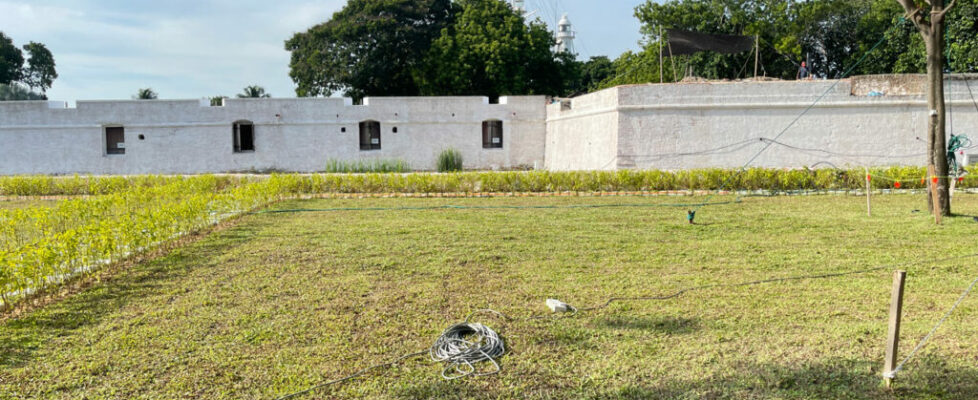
x: 190, y: 136
x: 720, y: 124
x: 660, y: 126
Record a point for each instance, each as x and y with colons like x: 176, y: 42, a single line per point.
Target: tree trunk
x: 935, y: 102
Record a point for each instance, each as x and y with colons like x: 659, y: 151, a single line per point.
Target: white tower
x: 518, y: 6
x: 565, y: 36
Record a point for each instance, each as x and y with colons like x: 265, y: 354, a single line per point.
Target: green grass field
x: 280, y: 301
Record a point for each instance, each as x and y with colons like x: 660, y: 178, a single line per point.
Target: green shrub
x: 450, y: 160
x: 363, y: 166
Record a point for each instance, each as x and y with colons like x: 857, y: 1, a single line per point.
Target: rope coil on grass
x: 464, y: 344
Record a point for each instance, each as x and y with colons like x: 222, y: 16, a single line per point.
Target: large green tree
x: 40, y: 72
x: 491, y: 50
x: 768, y: 19
x: 11, y: 60
x: 832, y: 35
x: 13, y: 92
x: 592, y: 72
x: 370, y: 47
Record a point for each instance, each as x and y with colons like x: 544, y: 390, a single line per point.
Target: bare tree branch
x: 909, y: 6
x: 938, y: 17
x: 916, y: 15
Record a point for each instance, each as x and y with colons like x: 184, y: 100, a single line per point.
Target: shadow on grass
x: 21, y: 337
x: 835, y: 379
x: 667, y: 325
x: 441, y: 389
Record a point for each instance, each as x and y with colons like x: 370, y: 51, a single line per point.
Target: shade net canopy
x: 687, y: 42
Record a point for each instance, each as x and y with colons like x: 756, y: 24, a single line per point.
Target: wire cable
x: 771, y: 280
x: 806, y: 110
x: 460, y: 353
x: 456, y: 348
x: 968, y: 84
x: 351, y: 376
x: 892, y: 374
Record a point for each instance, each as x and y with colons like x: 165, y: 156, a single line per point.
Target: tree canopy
x: 370, y: 47
x: 491, y: 50
x: 253, y: 91
x: 427, y: 47
x: 11, y: 60
x: 830, y: 34
x: 14, y: 92
x: 145, y: 94
x: 39, y: 72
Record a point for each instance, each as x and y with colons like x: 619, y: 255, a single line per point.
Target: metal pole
x: 660, y: 55
x: 673, y: 61
x: 757, y: 53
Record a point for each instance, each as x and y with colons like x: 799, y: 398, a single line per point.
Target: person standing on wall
x: 803, y: 72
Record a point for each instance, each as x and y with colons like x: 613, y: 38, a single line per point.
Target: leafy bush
x: 625, y: 180
x: 449, y: 160
x: 37, y: 185
x: 362, y: 166
x: 42, y: 246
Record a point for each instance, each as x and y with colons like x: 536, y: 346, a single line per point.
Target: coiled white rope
x: 461, y: 346
x: 465, y: 344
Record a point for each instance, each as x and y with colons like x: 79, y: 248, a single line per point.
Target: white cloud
x: 182, y: 49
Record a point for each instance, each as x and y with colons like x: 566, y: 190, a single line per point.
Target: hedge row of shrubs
x: 40, y: 185
x: 515, y: 181
x: 40, y: 246
x: 625, y: 180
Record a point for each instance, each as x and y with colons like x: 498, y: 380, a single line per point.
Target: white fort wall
x: 661, y: 126
x: 186, y: 136
x: 721, y: 124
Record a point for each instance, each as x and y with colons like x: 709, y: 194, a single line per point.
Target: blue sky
x: 187, y: 49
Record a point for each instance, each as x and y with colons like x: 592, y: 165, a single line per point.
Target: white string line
x: 892, y: 374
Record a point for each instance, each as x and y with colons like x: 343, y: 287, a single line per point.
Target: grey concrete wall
x: 186, y: 136
x: 725, y: 124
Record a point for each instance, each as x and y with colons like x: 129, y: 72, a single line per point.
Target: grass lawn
x: 278, y: 302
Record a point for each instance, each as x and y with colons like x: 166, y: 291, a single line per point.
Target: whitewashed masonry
x: 863, y: 121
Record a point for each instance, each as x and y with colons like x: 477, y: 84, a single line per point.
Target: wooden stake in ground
x: 893, y: 335
x: 869, y: 190
x: 933, y: 182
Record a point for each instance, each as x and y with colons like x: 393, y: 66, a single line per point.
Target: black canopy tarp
x: 686, y: 42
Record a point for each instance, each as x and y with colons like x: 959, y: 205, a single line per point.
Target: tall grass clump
x: 450, y: 160
x: 365, y: 166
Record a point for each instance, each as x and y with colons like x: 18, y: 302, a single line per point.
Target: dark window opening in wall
x: 394, y: 130
x: 492, y: 134
x: 115, y: 140
x: 343, y: 129
x: 370, y: 135
x: 142, y: 137
x: 244, y: 136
